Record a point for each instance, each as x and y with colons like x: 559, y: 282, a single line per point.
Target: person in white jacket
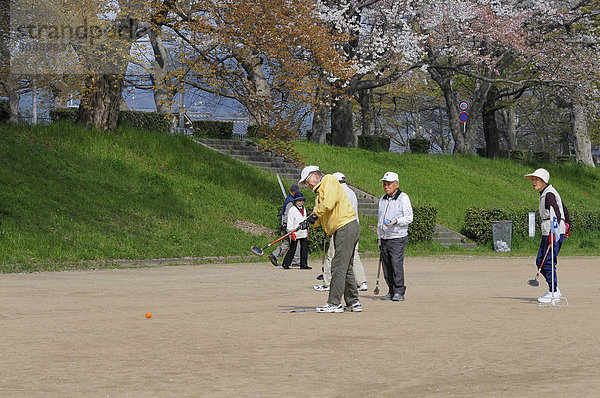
x: 395, y: 214
x: 297, y: 214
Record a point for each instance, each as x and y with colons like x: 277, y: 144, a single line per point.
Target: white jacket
x: 294, y: 218
x: 397, y: 209
x: 352, y: 197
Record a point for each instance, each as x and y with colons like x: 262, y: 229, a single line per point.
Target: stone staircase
x: 250, y: 153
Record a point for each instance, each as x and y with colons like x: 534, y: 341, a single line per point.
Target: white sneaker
x: 321, y: 288
x: 363, y: 287
x: 331, y: 308
x: 548, y: 297
x: 356, y: 307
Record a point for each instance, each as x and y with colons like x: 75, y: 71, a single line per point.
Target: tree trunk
x: 582, y: 143
x: 13, y: 104
x: 456, y: 126
x: 364, y: 99
x: 342, y: 131
x: 163, y: 93
x: 565, y: 148
x: 100, y: 108
x: 259, y: 102
x: 511, y: 127
x: 319, y: 124
x: 34, y: 101
x: 490, y: 127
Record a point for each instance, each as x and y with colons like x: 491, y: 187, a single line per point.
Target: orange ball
x: 148, y: 315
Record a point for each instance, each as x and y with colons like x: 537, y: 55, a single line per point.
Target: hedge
x: 4, y: 112
x: 585, y: 220
x: 374, y: 143
x: 478, y: 227
x: 423, y: 225
x: 478, y: 222
x: 542, y: 157
x: 213, y: 129
x: 419, y: 145
x: 136, y: 119
x: 145, y: 120
x: 64, y: 115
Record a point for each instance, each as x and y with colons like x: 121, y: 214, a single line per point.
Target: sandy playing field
x: 470, y: 327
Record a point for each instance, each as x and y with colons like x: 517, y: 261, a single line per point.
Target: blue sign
x: 463, y: 117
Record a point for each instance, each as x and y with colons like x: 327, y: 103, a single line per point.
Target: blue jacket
x: 288, y: 199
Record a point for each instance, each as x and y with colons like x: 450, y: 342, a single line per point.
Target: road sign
x: 463, y: 117
x: 463, y: 106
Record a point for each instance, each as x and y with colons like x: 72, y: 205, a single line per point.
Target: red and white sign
x: 463, y: 106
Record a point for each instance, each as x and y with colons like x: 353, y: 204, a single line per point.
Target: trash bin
x: 501, y: 234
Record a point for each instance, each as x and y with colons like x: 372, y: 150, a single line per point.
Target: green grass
x: 69, y: 194
x: 454, y: 183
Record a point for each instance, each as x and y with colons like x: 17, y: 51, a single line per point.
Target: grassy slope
x: 69, y: 194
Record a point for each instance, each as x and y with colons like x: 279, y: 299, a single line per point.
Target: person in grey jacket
x: 395, y: 214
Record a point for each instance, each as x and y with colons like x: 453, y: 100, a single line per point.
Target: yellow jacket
x: 332, y: 205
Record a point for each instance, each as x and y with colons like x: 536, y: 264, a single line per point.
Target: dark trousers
x: 289, y: 256
x: 392, y: 260
x: 549, y: 263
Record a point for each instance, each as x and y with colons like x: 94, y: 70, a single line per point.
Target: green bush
x: 478, y: 222
x: 564, y: 158
x: 423, y: 225
x: 374, y: 143
x: 4, y: 112
x: 520, y: 155
x: 419, y: 145
x: 64, y: 115
x: 542, y: 157
x: 504, y: 153
x: 213, y: 129
x: 148, y: 121
x: 585, y: 220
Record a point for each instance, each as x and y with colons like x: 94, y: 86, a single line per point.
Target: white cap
x: 541, y: 174
x: 306, y: 171
x: 340, y: 177
x: 390, y: 176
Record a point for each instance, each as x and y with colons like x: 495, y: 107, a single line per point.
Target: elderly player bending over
x: 337, y: 216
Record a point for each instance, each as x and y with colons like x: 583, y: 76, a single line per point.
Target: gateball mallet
x: 376, y: 291
x: 534, y: 282
x: 259, y: 251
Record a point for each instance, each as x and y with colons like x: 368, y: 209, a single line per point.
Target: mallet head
x: 257, y: 251
x: 533, y: 282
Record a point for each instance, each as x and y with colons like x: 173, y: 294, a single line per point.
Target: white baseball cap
x: 340, y: 177
x: 539, y: 173
x: 306, y: 171
x: 390, y: 176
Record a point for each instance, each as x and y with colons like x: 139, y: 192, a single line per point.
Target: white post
x: 181, y: 109
x: 34, y: 113
x: 531, y: 224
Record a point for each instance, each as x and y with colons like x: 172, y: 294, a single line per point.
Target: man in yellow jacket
x: 335, y: 213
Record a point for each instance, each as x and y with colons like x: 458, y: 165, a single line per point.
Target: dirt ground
x: 470, y: 327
